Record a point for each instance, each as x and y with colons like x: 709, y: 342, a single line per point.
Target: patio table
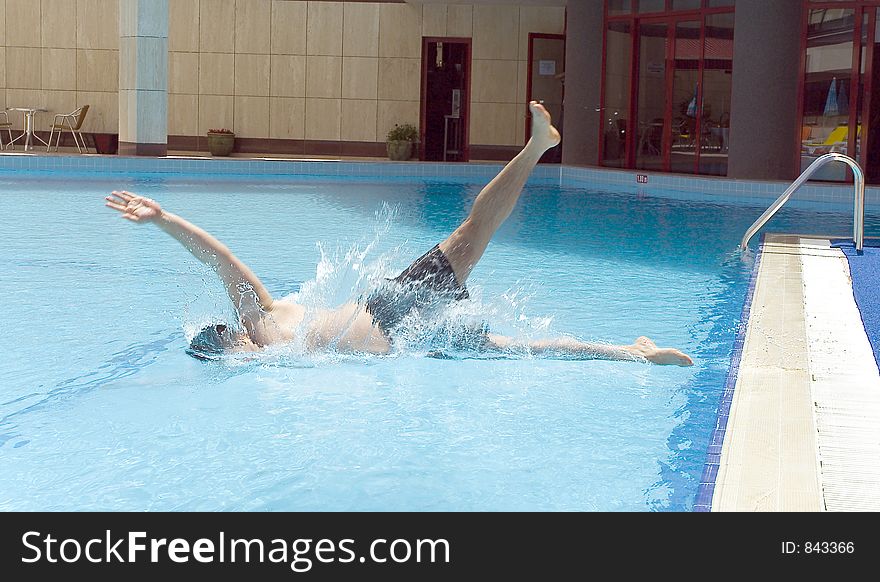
x: 28, y: 134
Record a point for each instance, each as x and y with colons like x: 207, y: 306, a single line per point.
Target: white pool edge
x: 804, y: 426
x: 845, y: 382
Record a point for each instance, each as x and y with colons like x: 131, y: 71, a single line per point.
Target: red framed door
x: 671, y: 112
x: 829, y: 122
x: 667, y: 94
x: 444, y: 116
x: 870, y: 44
x: 617, y: 97
x: 544, y: 82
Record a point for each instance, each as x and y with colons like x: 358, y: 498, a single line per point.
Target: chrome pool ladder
x: 858, y: 201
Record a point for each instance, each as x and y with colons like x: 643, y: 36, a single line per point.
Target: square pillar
x: 583, y: 64
x: 143, y: 77
x: 764, y: 126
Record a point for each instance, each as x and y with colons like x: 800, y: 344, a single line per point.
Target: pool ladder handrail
x: 858, y: 202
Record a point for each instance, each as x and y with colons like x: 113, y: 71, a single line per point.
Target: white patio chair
x: 72, y: 122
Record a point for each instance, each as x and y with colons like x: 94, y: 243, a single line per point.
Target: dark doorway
x: 546, y: 83
x: 446, y: 64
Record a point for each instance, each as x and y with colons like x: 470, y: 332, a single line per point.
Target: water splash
x: 347, y: 274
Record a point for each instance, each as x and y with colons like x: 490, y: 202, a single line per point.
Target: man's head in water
x: 215, y: 340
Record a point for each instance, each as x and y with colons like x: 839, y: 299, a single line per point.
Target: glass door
x: 688, y: 124
x: 671, y: 124
x: 715, y: 93
x: 675, y: 58
x: 829, y: 123
x: 615, y: 113
x: 868, y: 100
x: 840, y: 111
x: 652, y: 105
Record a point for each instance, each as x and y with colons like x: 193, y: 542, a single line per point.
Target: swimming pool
x: 100, y: 408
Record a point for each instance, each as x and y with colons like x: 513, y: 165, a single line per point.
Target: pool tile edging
x: 718, y: 189
x: 706, y: 488
x: 251, y: 166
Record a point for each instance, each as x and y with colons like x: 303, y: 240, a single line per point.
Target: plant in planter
x: 106, y: 143
x: 220, y: 141
x: 400, y: 140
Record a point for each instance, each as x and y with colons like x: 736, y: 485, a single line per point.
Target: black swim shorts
x: 428, y: 285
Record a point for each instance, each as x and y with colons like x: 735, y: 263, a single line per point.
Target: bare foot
x: 543, y: 132
x: 664, y: 356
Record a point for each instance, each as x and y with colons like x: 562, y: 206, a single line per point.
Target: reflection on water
x: 350, y: 274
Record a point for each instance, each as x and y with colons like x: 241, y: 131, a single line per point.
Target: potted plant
x: 399, y: 142
x: 106, y: 143
x: 220, y: 141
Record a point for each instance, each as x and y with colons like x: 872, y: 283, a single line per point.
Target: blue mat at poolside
x: 865, y: 272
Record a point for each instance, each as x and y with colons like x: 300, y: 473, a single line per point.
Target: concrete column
x: 143, y: 77
x: 583, y: 82
x: 764, y: 126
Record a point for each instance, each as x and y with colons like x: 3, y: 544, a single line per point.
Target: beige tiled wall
x: 253, y: 21
x: 500, y: 66
x: 292, y: 69
x: 360, y: 37
x: 322, y: 70
x: 58, y: 55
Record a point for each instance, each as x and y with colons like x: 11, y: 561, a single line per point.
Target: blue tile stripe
x: 477, y: 172
x: 706, y: 488
x: 824, y: 196
x: 813, y: 195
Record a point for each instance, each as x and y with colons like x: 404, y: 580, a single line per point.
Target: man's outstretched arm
x: 643, y: 350
x: 245, y: 289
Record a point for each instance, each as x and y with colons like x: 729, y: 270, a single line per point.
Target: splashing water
x: 347, y: 274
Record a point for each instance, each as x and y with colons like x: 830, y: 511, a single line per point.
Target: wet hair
x: 209, y: 343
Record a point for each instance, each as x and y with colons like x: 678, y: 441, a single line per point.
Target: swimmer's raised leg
x: 641, y: 350
x: 496, y: 201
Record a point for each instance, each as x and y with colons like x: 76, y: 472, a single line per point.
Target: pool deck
x: 803, y: 431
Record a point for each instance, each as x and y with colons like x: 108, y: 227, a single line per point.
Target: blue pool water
x: 100, y: 408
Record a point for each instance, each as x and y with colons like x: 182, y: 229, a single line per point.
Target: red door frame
x: 672, y: 21
x: 635, y: 19
x: 633, y: 71
x: 465, y: 98
x: 854, y: 92
x: 529, y: 70
x: 868, y: 88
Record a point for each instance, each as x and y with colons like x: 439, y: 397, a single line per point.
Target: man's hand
x: 133, y: 207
